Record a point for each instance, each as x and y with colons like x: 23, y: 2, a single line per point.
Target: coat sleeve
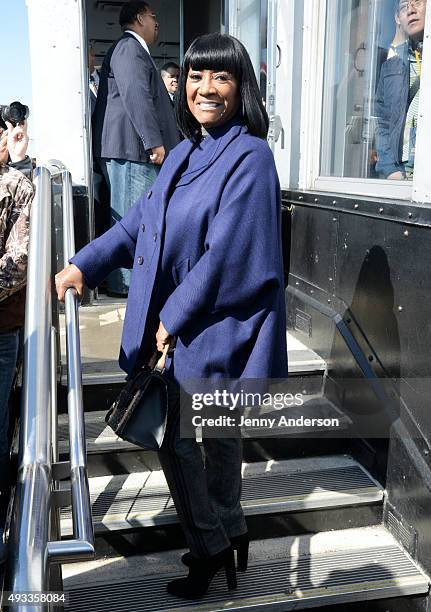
x: 386, y: 163
x: 242, y: 260
x: 114, y: 249
x: 25, y: 166
x: 13, y: 260
x: 132, y: 72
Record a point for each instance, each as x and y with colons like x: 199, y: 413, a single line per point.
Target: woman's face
x: 212, y: 96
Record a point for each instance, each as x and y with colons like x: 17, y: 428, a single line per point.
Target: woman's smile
x: 209, y: 105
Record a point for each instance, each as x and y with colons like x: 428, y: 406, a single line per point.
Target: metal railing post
x: 27, y: 563
x: 30, y: 547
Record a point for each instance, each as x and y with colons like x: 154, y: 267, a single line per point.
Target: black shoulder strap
x: 414, y: 88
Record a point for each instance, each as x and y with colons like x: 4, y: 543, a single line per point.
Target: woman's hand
x: 71, y: 276
x: 163, y: 338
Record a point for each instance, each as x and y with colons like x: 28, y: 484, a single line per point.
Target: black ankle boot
x: 239, y: 543
x: 197, y: 583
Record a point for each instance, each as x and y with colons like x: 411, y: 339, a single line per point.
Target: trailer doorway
x: 179, y: 23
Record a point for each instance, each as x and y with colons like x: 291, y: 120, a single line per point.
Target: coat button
x: 155, y: 237
x: 143, y: 227
x: 149, y: 194
x: 140, y: 260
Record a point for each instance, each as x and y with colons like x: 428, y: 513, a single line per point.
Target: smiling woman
x: 217, y: 79
x: 206, y: 280
x: 212, y: 96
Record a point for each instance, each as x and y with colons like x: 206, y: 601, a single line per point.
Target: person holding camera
x: 14, y: 138
x: 16, y: 195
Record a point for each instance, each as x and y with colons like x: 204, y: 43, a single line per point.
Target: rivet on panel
x: 380, y: 210
x: 356, y: 206
x: 334, y: 202
x: 410, y: 215
x: 406, y: 233
x: 316, y: 199
x: 400, y: 308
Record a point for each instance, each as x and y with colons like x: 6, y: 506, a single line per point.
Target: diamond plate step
x: 143, y: 499
x: 101, y: 439
x: 284, y: 574
x: 302, y: 360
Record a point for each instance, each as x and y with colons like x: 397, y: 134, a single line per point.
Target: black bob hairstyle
x: 222, y: 52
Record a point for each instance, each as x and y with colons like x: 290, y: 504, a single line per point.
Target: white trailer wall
x: 60, y: 83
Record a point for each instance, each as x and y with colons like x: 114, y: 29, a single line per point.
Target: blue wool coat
x: 205, y: 246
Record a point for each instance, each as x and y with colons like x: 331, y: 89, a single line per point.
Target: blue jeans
x: 9, y: 342
x: 127, y: 182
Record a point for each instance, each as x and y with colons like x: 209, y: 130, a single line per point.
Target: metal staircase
x: 339, y: 553
x: 315, y: 514
x: 284, y: 574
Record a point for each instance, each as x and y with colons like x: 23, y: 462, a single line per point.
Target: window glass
x: 373, y: 58
x: 248, y: 29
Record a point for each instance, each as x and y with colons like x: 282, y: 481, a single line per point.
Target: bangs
x: 214, y: 52
x: 221, y: 52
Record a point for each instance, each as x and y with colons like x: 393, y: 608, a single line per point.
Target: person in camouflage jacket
x: 16, y: 195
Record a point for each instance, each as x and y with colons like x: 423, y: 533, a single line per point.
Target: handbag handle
x: 160, y: 365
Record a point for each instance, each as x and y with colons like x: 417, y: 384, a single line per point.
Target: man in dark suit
x: 134, y: 126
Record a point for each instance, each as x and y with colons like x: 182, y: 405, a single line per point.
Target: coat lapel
x: 177, y: 158
x: 169, y: 174
x: 172, y: 167
x: 213, y: 152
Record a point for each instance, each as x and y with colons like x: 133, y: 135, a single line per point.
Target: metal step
x: 284, y: 574
x: 143, y: 499
x: 303, y: 360
x: 101, y: 438
x: 98, y: 371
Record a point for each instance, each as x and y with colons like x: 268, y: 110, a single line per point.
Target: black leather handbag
x: 140, y: 412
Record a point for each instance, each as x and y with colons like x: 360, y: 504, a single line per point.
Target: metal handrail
x: 30, y: 550
x: 82, y: 546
